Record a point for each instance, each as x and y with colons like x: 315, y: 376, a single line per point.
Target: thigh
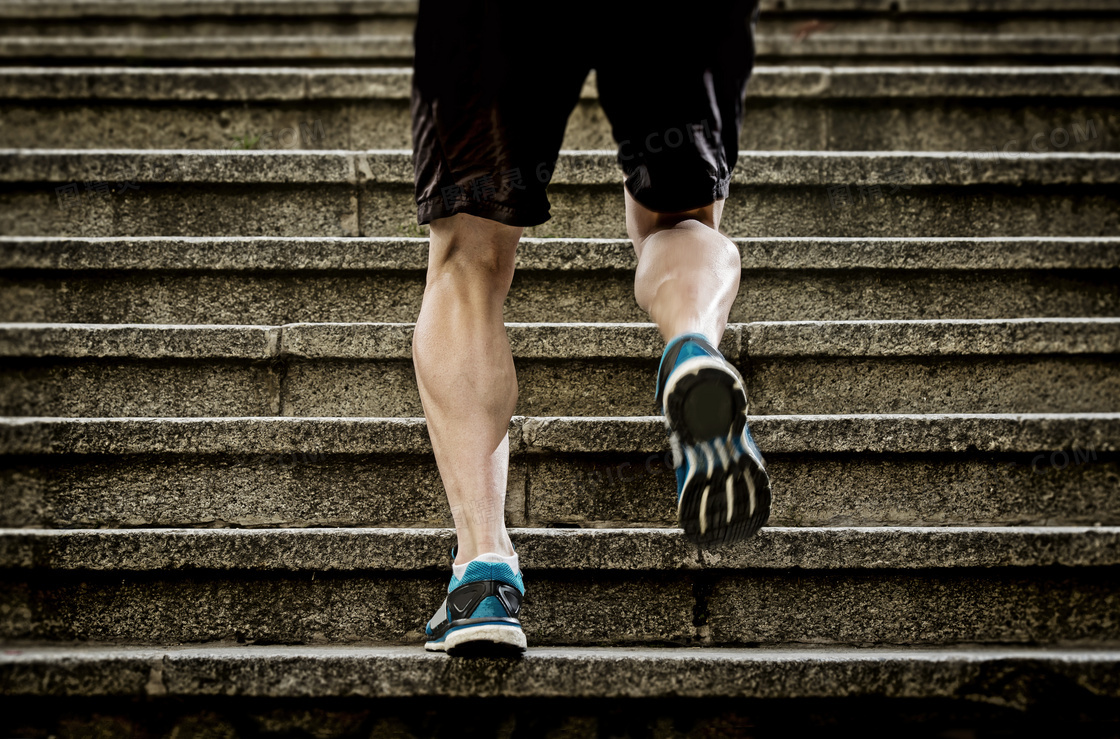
x: 673, y: 92
x: 490, y: 101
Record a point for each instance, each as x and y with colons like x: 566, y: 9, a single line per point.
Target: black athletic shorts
x: 495, y: 82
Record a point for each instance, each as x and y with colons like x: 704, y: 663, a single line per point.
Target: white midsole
x: 493, y: 633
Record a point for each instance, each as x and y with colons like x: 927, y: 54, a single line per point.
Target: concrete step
x: 1005, y: 110
x: 425, y: 551
x: 908, y: 470
x: 826, y: 586
x: 1026, y: 366
x: 782, y: 44
x: 554, y: 692
x: 340, y: 193
x: 181, y: 9
x: 184, y: 9
x: 797, y: 29
x: 342, y: 690
x: 253, y: 280
x: 326, y: 33
x: 978, y: 675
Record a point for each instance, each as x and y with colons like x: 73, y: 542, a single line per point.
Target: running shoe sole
x: 726, y: 495
x: 483, y: 638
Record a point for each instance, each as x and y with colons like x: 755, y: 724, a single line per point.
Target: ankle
x: 466, y: 552
x: 460, y: 569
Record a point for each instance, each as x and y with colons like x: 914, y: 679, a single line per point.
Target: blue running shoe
x: 723, y: 491
x: 480, y: 611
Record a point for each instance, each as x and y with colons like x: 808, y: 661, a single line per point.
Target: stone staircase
x: 219, y: 511
x: 378, y: 32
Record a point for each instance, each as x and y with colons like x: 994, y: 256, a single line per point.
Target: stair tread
x: 589, y: 672
x: 940, y: 337
x: 288, y: 253
x: 345, y: 549
x: 975, y: 433
x: 579, y: 168
x: 374, y: 49
x: 289, y: 83
x: 175, y: 8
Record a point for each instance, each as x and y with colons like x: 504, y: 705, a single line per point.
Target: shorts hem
x: 432, y: 208
x: 719, y: 191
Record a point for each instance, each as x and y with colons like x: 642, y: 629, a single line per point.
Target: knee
x: 643, y: 223
x: 472, y: 254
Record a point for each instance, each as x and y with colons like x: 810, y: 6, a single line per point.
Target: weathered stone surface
x: 936, y: 6
x: 786, y: 210
x: 182, y: 209
x: 150, y: 84
x: 527, y: 341
x: 219, y: 436
x: 769, y: 124
x: 208, y: 297
x: 846, y: 434
x: 76, y: 387
x: 996, y: 384
x: 279, y: 280
x: 312, y: 487
x: 282, y: 125
x: 350, y: 370
x: 323, y: 607
x: 898, y: 602
x: 824, y: 48
x: 188, y: 254
x: 1069, y: 484
x: 881, y: 607
x: 308, y: 296
x: 935, y: 338
x: 993, y: 703
x: 299, y: 487
x: 89, y: 341
x: 394, y: 49
x: 407, y: 8
x: 563, y: 369
x: 803, y: 108
x: 995, y: 126
x: 938, y: 194
x: 888, y: 433
x: 305, y: 472
x: 320, y: 671
x: 185, y: 8
x: 934, y: 48
x: 793, y: 168
x: 1063, y: 486
x: 577, y: 387
x: 1036, y: 606
x: 164, y: 167
x: 640, y: 550
x: 874, y: 294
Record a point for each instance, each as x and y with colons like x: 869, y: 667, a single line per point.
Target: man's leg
x: 687, y: 279
x: 465, y: 372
